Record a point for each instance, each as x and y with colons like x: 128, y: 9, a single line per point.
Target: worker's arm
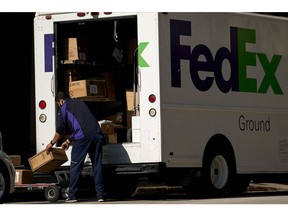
x: 55, y: 139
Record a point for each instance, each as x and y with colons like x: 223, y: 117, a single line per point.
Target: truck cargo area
x: 96, y: 64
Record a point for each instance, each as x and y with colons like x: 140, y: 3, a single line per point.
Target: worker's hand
x: 65, y: 145
x: 48, y: 148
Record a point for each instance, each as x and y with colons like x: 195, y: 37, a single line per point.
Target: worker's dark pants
x: 93, y: 146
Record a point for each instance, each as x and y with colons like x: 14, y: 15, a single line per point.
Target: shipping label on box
x: 47, y: 162
x: 82, y: 88
x: 23, y: 177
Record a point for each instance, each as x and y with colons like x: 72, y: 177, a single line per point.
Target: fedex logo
x: 237, y: 56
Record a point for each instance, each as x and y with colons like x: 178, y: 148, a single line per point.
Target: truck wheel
x: 52, y: 193
x: 4, y: 184
x: 218, y: 171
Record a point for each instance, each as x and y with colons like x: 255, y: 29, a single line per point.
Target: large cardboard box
x: 75, y: 49
x: 16, y: 159
x: 23, y: 176
x: 47, y: 162
x: 82, y: 88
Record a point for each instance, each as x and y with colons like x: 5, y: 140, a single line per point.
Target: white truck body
x: 216, y: 77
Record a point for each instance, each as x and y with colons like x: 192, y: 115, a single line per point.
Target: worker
x: 87, y: 138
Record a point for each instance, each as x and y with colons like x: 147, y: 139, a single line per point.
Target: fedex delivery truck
x: 198, y: 100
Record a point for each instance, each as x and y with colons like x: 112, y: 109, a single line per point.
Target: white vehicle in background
x: 7, y: 174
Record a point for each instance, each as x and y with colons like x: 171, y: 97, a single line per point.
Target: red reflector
x: 152, y: 98
x: 42, y: 104
x: 48, y: 17
x: 107, y: 13
x: 81, y: 14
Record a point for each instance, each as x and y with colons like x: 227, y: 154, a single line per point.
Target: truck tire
x: 52, y: 193
x: 4, y: 184
x: 218, y: 171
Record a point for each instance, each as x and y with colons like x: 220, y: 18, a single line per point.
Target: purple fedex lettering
x: 214, y: 66
x: 178, y: 51
x: 48, y: 52
x: 238, y: 58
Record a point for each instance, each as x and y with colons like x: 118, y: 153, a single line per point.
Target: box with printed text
x: 82, y: 88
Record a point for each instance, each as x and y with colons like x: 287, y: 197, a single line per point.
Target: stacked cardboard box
x: 23, y: 177
x: 83, y: 88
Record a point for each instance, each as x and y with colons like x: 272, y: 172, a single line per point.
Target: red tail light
x: 42, y: 104
x: 152, y: 98
x: 81, y: 14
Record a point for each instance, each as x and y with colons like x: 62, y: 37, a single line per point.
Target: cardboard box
x: 16, y: 159
x: 111, y: 138
x: 107, y: 128
x: 75, y: 49
x: 23, y: 177
x: 82, y: 88
x: 130, y: 99
x: 47, y: 162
